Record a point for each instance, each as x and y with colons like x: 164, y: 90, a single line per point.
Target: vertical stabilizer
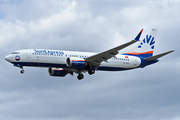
x: 146, y: 46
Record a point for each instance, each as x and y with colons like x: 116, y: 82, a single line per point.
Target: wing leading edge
x: 96, y: 60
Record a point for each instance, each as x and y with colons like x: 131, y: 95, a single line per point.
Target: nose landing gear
x: 22, y: 71
x: 20, y: 66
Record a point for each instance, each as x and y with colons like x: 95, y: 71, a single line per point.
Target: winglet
x: 138, y: 36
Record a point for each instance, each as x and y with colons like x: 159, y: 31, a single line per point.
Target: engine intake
x: 74, y: 62
x: 57, y: 72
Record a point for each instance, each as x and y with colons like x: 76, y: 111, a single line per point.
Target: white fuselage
x: 57, y: 59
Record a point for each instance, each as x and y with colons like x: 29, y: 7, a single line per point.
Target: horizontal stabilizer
x: 157, y: 56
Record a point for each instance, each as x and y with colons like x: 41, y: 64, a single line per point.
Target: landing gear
x: 80, y: 76
x: 91, y: 71
x: 22, y: 71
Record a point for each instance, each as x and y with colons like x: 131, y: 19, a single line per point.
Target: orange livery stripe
x: 136, y: 53
x: 78, y: 60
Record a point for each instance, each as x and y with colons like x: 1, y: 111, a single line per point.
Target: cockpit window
x: 16, y: 53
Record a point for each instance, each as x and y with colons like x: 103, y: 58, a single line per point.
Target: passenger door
x: 28, y: 54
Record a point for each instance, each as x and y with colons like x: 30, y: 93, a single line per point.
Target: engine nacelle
x: 57, y: 72
x: 74, y: 62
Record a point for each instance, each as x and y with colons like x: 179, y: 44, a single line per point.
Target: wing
x: 96, y: 60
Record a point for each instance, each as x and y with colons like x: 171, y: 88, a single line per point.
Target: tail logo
x: 148, y: 40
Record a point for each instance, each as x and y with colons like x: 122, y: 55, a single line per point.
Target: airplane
x: 61, y: 63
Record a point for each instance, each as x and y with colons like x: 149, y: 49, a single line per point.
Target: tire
x: 22, y: 71
x: 91, y: 72
x: 80, y: 76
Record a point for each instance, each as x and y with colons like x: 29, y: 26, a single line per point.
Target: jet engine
x: 57, y: 72
x: 74, y: 62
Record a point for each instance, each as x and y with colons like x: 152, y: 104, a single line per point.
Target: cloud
x: 148, y: 93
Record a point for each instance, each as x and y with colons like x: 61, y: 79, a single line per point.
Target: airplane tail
x: 146, y: 47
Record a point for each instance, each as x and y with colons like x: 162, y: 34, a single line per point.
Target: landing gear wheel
x: 80, y: 76
x: 91, y: 72
x: 22, y: 71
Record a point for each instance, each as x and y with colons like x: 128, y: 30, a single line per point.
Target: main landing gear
x: 80, y: 76
x: 91, y: 72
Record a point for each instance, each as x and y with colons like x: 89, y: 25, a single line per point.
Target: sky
x: 93, y: 26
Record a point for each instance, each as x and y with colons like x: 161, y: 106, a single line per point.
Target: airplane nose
x: 8, y: 58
